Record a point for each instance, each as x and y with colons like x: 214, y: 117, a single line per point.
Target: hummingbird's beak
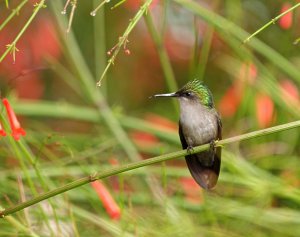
x: 174, y: 94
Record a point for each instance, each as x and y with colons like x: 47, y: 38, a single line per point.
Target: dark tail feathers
x: 206, y: 175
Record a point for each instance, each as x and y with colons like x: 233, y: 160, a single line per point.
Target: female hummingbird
x: 199, y: 124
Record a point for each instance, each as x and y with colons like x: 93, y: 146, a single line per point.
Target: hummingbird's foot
x: 212, y: 150
x: 213, y: 145
x: 190, y: 149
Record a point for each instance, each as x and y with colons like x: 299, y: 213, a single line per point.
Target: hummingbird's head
x: 192, y: 92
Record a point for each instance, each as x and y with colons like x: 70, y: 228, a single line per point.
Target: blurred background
x: 75, y: 128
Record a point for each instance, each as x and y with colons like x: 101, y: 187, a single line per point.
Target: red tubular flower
x: 231, y: 100
x: 162, y: 123
x: 144, y: 139
x: 16, y: 128
x: 248, y: 72
x: 286, y: 21
x: 109, y: 203
x: 264, y: 110
x: 2, y: 132
x: 189, y: 185
x: 289, y: 91
x: 136, y: 4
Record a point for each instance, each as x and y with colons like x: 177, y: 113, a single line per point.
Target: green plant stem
x: 163, y: 57
x: 123, y: 39
x: 204, y: 54
x: 16, y: 149
x: 296, y: 41
x: 271, y: 22
x: 13, y: 44
x: 228, y: 28
x: 99, y: 43
x: 21, y: 227
x: 109, y: 226
x: 138, y: 164
x: 12, y: 14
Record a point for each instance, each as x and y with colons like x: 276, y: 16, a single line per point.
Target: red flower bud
x: 231, y: 100
x: 286, y: 21
x: 264, y: 110
x: 2, y: 132
x: 15, y: 126
x: 289, y: 91
x: 127, y: 51
x: 109, y: 203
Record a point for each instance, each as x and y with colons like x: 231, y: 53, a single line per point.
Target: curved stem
x: 138, y: 164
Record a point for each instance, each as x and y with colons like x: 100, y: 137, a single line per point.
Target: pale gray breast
x: 199, y: 124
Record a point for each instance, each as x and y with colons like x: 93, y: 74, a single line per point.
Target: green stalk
x: 142, y: 163
x: 99, y: 43
x: 20, y: 156
x: 12, y: 46
x: 163, y: 56
x: 273, y: 21
x: 123, y: 39
x: 22, y: 228
x: 204, y: 54
x: 12, y: 14
x: 228, y: 28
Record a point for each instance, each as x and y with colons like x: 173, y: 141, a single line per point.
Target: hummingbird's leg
x: 212, y: 150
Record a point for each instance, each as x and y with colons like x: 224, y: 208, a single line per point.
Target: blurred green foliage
x: 74, y: 128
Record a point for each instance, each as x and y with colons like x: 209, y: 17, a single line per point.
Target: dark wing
x: 204, y: 166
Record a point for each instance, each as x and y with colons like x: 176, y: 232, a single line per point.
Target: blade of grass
x: 163, y: 56
x: 228, y: 28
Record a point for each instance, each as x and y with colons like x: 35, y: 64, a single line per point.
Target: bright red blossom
x: 233, y: 96
x: 189, y: 186
x: 289, y: 91
x: 2, y: 132
x: 264, y: 110
x: 286, y: 21
x: 144, y: 139
x: 109, y: 203
x: 248, y: 72
x: 231, y: 100
x: 136, y: 4
x: 15, y: 126
x: 161, y: 122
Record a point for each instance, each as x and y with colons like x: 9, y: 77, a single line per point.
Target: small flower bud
x: 15, y: 126
x: 127, y: 51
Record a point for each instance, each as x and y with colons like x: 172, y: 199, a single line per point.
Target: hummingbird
x: 199, y: 124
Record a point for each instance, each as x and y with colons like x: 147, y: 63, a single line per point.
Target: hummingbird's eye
x: 188, y: 94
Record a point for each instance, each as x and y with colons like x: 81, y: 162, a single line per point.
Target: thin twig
x: 14, y: 43
x: 138, y: 164
x: 74, y: 5
x: 123, y: 38
x: 273, y: 21
x: 12, y: 14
